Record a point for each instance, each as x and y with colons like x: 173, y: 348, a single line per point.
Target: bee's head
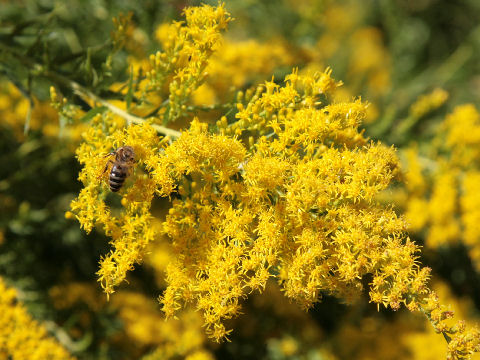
x: 126, y: 153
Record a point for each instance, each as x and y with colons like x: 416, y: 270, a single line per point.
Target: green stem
x: 83, y: 92
x: 445, y: 335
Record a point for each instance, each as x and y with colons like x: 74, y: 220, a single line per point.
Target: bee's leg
x: 106, y: 167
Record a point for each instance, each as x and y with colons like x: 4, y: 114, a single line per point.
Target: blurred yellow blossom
x: 429, y: 102
x: 443, y: 206
x: 370, y: 59
x: 22, y: 337
x: 21, y: 116
x: 462, y: 127
x: 442, y: 191
x: 144, y: 326
x: 470, y: 209
x: 233, y: 65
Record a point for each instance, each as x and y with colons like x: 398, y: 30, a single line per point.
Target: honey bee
x: 124, y: 160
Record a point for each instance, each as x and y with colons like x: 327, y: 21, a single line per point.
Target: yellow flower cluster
x: 130, y: 229
x: 187, y: 48
x: 298, y: 204
x: 21, y: 337
x: 283, y: 186
x: 130, y: 226
x: 439, y: 211
x: 370, y: 59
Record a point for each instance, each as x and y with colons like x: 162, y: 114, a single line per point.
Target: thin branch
x: 427, y: 315
x: 64, y: 339
x: 82, y: 92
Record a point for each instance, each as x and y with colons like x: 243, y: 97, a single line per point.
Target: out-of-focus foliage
x: 413, y: 62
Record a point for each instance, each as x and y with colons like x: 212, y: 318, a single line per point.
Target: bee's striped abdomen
x: 117, y: 177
